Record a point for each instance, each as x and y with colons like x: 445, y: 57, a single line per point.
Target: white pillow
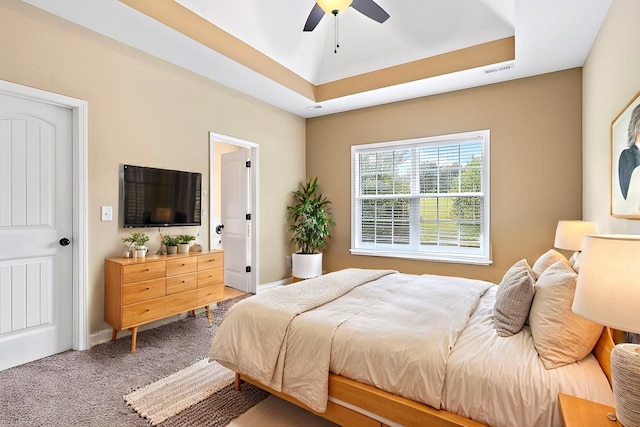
x: 559, y: 335
x: 546, y: 260
x: 513, y: 299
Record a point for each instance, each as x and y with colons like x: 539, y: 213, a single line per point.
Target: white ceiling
x: 550, y: 35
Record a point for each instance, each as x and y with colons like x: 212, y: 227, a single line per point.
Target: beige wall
x: 145, y: 111
x: 611, y: 78
x: 536, y: 164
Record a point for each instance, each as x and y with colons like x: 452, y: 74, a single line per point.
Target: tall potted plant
x: 310, y: 225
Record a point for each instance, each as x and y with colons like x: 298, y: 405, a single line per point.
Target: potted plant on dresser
x: 310, y: 226
x: 137, y: 243
x: 171, y: 242
x: 183, y: 243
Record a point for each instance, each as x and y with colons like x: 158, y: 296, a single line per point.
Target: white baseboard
x: 265, y: 286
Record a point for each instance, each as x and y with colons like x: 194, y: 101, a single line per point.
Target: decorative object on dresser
x: 310, y: 225
x: 608, y: 292
x: 171, y: 242
x: 569, y: 236
x: 141, y: 290
x: 183, y: 243
x: 137, y: 243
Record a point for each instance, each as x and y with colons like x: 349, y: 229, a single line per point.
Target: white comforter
x: 428, y: 338
x: 414, y: 322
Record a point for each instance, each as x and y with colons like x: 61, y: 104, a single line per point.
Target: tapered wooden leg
x: 209, y: 315
x: 193, y: 313
x: 134, y: 338
x: 237, y: 383
x: 114, y: 334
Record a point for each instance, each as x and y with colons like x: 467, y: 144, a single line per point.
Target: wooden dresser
x: 141, y: 290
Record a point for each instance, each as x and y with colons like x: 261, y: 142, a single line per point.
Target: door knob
x: 64, y: 242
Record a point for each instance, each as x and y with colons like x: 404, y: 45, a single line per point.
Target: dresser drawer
x: 208, y: 261
x: 179, y: 303
x: 142, y: 291
x: 143, y: 271
x: 142, y: 312
x: 210, y: 277
x: 182, y: 283
x: 210, y: 294
x: 181, y: 265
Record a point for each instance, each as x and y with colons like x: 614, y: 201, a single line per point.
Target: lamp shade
x: 569, y: 234
x: 608, y: 289
x: 330, y: 5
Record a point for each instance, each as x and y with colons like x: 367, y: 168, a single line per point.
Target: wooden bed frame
x: 366, y: 406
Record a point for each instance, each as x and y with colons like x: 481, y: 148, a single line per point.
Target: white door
x: 36, y: 288
x: 234, y: 207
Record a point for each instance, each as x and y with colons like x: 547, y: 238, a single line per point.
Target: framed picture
x: 625, y: 159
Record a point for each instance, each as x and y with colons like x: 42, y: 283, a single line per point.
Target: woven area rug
x: 201, y: 394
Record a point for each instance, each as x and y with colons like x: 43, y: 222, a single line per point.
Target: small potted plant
x: 310, y: 225
x: 137, y: 241
x: 171, y: 242
x: 183, y: 243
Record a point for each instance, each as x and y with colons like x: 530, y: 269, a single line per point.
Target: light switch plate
x: 106, y: 213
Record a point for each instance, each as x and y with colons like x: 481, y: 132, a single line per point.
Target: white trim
x: 266, y: 286
x: 254, y: 201
x: 80, y: 197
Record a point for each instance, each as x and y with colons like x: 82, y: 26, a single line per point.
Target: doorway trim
x: 254, y: 200
x: 79, y: 204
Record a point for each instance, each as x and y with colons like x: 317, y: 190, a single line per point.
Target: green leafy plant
x: 310, y: 218
x: 136, y: 238
x: 170, y: 240
x: 185, y: 238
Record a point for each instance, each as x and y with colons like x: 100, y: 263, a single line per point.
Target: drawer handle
x: 148, y: 289
x: 147, y: 309
x: 182, y: 264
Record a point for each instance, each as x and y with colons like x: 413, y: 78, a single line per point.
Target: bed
x: 380, y: 347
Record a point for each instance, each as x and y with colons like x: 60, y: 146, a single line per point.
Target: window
x: 426, y: 198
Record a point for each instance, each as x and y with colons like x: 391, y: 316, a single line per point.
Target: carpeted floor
x: 86, y: 388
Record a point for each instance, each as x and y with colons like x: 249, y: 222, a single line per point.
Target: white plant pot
x: 183, y: 248
x: 141, y: 251
x: 306, y: 266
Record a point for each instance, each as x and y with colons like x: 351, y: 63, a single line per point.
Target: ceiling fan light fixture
x: 330, y: 5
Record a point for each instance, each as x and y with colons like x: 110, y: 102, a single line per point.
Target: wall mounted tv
x: 160, y: 197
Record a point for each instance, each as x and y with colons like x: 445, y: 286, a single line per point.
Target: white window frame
x: 480, y: 256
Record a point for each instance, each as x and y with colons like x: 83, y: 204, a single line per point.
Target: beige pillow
x: 513, y: 299
x: 546, y: 260
x: 559, y: 335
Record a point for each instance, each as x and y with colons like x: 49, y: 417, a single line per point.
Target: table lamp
x: 569, y: 235
x: 608, y: 292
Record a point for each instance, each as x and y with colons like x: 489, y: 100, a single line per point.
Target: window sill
x: 458, y: 259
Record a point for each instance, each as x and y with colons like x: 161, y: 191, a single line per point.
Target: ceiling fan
x: 368, y: 8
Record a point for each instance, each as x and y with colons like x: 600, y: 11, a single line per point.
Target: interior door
x: 236, y: 233
x: 36, y: 288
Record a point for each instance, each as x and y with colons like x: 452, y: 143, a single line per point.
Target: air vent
x: 499, y: 68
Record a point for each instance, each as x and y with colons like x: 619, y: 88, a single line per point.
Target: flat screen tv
x: 160, y: 197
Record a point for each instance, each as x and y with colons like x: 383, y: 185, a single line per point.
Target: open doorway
x: 220, y: 145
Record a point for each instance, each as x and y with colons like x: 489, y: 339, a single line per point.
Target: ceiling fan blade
x: 314, y: 17
x: 371, y: 9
